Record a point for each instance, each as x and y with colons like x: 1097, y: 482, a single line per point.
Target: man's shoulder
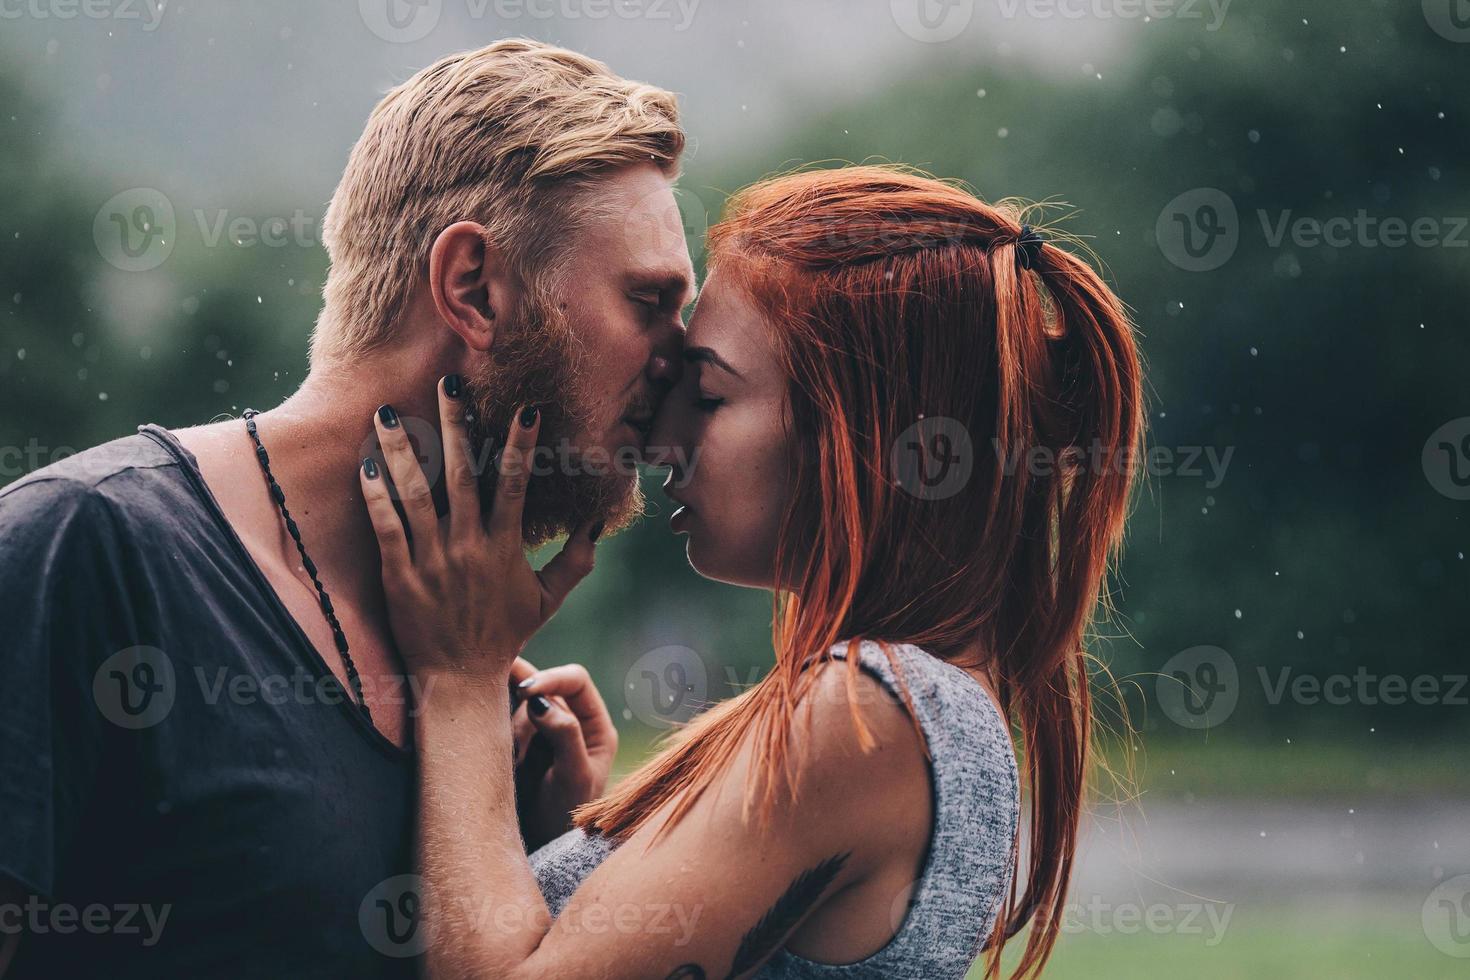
x: 127, y: 475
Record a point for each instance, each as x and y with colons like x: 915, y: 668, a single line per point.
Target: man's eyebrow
x: 705, y: 355
x: 673, y: 281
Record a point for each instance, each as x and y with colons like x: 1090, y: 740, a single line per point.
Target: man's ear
x: 473, y: 287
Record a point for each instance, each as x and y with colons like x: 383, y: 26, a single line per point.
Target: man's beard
x: 536, y: 361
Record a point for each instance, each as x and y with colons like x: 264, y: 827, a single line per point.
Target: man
x: 203, y: 767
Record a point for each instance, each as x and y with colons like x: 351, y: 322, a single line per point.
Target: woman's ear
x: 473, y: 286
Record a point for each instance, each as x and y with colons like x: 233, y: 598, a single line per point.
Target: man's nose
x: 666, y: 365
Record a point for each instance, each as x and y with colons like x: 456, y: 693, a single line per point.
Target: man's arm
x: 64, y: 612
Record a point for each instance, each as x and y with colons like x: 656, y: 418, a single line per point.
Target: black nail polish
x: 451, y: 385
x: 538, y: 706
x: 595, y: 531
x: 369, y: 468
x: 529, y: 415
x: 526, y: 683
x: 388, y: 416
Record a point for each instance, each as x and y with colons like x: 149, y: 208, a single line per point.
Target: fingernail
x: 596, y: 530
x: 388, y: 416
x: 369, y: 468
x: 528, y: 416
x: 527, y: 682
x: 538, y: 706
x: 451, y: 385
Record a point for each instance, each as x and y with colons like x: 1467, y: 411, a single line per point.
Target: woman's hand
x: 565, y: 742
x: 462, y: 599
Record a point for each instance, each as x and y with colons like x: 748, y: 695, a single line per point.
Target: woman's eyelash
x: 708, y: 404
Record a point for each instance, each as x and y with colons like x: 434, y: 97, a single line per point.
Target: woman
x: 860, y: 818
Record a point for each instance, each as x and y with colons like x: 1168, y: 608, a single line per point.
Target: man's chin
x: 557, y: 507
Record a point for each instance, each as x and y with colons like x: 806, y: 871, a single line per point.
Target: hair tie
x: 1028, y: 246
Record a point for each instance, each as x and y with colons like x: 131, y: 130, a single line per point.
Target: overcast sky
x: 232, y: 103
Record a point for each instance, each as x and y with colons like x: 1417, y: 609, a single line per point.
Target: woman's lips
x: 679, y: 520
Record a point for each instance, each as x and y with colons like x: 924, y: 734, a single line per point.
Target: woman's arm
x: 715, y: 897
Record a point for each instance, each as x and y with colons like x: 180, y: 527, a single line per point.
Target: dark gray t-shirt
x: 185, y: 789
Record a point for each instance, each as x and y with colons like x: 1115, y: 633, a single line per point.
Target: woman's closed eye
x: 705, y: 404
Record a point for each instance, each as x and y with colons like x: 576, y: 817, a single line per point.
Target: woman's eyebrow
x: 705, y: 355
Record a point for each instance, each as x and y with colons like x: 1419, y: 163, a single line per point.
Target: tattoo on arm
x: 799, y: 898
x: 765, y: 937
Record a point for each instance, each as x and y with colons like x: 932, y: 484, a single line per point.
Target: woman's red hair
x: 895, y: 298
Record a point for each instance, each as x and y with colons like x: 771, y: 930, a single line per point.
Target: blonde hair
x: 502, y: 136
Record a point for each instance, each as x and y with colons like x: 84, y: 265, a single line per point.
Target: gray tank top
x: 968, y: 867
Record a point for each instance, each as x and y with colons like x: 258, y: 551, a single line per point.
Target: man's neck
x: 316, y: 440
